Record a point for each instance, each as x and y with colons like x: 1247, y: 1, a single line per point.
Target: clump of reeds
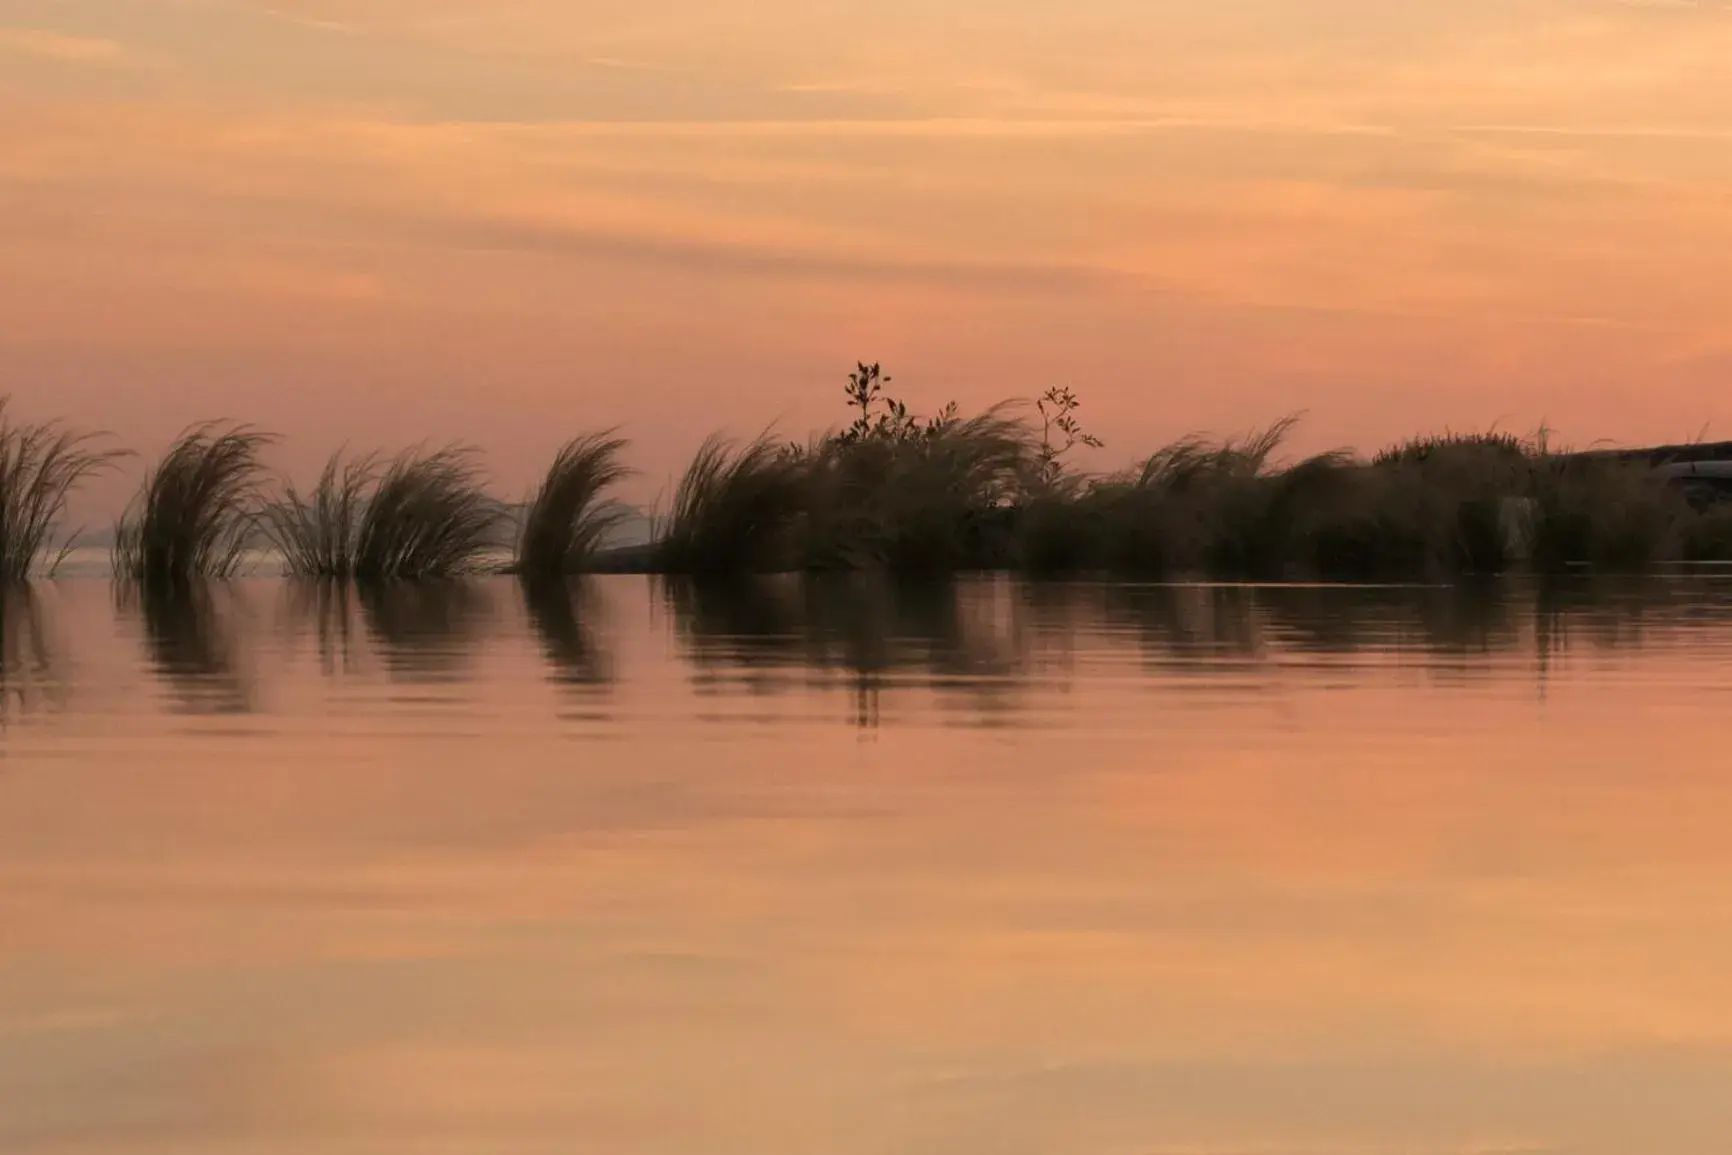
x: 1196, y: 506
x: 319, y: 533
x: 938, y: 497
x: 1603, y: 513
x: 1416, y: 450
x: 420, y: 515
x: 41, y: 464
x: 1707, y: 536
x: 198, y: 509
x: 570, y: 515
x: 735, y: 509
x: 1432, y: 508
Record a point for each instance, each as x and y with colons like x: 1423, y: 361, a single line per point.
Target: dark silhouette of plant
x: 1061, y: 430
x: 198, y: 509
x: 422, y: 515
x: 735, y: 509
x: 570, y: 517
x: 319, y: 533
x: 881, y: 417
x: 40, y: 465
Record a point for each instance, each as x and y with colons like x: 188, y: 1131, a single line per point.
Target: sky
x: 382, y: 222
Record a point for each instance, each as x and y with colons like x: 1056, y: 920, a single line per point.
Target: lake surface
x: 988, y: 868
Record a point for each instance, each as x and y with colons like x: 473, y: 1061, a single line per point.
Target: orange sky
x: 511, y: 220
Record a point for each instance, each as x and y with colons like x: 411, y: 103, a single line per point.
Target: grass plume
x: 735, y: 509
x: 197, y: 511
x: 569, y: 517
x: 41, y: 464
x: 419, y: 515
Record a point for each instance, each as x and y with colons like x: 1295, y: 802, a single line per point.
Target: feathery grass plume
x: 41, y: 464
x: 319, y: 533
x: 1202, y: 506
x: 940, y: 497
x: 420, y: 515
x: 735, y: 509
x: 198, y: 508
x: 428, y: 516
x: 569, y: 516
x: 1474, y: 446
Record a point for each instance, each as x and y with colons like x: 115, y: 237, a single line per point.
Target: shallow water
x: 849, y: 868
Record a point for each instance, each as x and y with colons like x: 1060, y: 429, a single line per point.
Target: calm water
x: 988, y: 868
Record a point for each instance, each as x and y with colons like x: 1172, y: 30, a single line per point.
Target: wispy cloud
x: 299, y: 20
x: 50, y: 45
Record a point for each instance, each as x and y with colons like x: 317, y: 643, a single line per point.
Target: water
x: 848, y: 868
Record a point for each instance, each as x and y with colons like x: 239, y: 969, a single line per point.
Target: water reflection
x: 997, y: 637
x: 331, y: 608
x: 769, y: 635
x: 31, y: 675
x: 192, y: 644
x: 978, y: 647
x: 563, y: 614
x: 1271, y: 876
x: 428, y: 630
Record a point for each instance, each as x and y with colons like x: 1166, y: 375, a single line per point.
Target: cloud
x: 50, y: 45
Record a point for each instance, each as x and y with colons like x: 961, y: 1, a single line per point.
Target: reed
x: 736, y: 509
x: 318, y: 533
x: 895, y: 492
x: 419, y: 515
x: 940, y: 499
x: 570, y: 515
x: 41, y: 463
x: 198, y: 510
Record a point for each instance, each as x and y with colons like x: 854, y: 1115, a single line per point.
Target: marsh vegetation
x: 1008, y: 488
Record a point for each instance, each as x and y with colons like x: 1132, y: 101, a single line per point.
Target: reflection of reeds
x: 570, y: 516
x: 197, y: 511
x: 562, y: 612
x: 191, y: 642
x: 28, y: 657
x: 425, y: 629
x: 40, y: 465
x: 763, y: 633
x: 420, y: 515
x: 330, y: 605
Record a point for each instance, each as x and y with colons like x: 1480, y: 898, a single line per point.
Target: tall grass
x: 41, y: 464
x: 896, y: 492
x: 1197, y: 505
x: 570, y: 517
x: 735, y: 509
x: 939, y: 499
x: 420, y: 515
x: 198, y: 509
x: 319, y: 533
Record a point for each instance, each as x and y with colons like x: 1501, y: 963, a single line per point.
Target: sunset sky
x: 508, y: 221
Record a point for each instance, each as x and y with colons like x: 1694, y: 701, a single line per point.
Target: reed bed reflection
x: 564, y: 613
x: 982, y: 648
x: 193, y: 642
x: 427, y: 630
x: 32, y: 673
